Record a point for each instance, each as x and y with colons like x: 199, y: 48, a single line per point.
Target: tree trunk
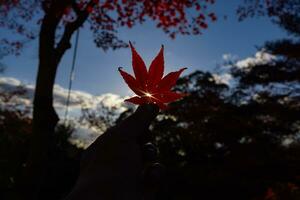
x: 44, y: 115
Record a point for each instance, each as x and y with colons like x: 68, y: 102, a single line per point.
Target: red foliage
x: 105, y: 17
x: 150, y: 85
x: 212, y: 16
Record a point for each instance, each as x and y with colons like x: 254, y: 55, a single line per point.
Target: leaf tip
x: 182, y: 69
x: 130, y: 44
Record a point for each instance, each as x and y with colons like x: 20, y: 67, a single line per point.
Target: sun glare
x: 148, y: 94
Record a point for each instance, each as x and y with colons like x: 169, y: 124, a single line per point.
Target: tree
x: 238, y: 141
x: 101, y: 118
x: 217, y: 143
x: 57, y: 21
x: 285, y: 13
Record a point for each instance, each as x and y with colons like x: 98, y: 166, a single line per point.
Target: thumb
x: 140, y: 120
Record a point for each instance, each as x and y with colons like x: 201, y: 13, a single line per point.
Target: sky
x: 96, y: 70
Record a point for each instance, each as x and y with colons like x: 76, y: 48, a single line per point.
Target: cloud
x: 229, y: 57
x: 77, y: 98
x: 231, y: 61
x: 82, y: 136
x: 224, y: 78
x: 9, y: 81
x: 259, y: 58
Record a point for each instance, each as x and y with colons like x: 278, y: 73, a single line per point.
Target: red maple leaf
x: 150, y: 85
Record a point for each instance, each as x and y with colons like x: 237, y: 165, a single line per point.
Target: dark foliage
x: 15, y: 133
x: 216, y: 148
x: 285, y: 13
x: 228, y: 143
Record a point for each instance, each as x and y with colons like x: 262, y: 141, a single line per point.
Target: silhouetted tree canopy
x: 217, y: 143
x: 285, y: 13
x: 238, y: 140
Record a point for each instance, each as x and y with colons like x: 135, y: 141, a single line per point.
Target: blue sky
x: 96, y: 71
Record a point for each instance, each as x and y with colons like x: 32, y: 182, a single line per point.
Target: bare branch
x: 70, y: 28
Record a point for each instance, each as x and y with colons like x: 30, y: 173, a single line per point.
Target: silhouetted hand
x: 112, y: 166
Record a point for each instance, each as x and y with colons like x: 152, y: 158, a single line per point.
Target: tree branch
x: 70, y: 28
x: 75, y: 7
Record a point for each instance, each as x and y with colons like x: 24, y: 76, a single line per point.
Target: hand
x: 112, y: 166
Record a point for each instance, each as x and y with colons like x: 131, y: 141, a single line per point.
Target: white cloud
x: 223, y: 78
x: 77, y: 98
x: 229, y: 57
x: 9, y: 81
x: 260, y: 57
x: 83, y: 136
